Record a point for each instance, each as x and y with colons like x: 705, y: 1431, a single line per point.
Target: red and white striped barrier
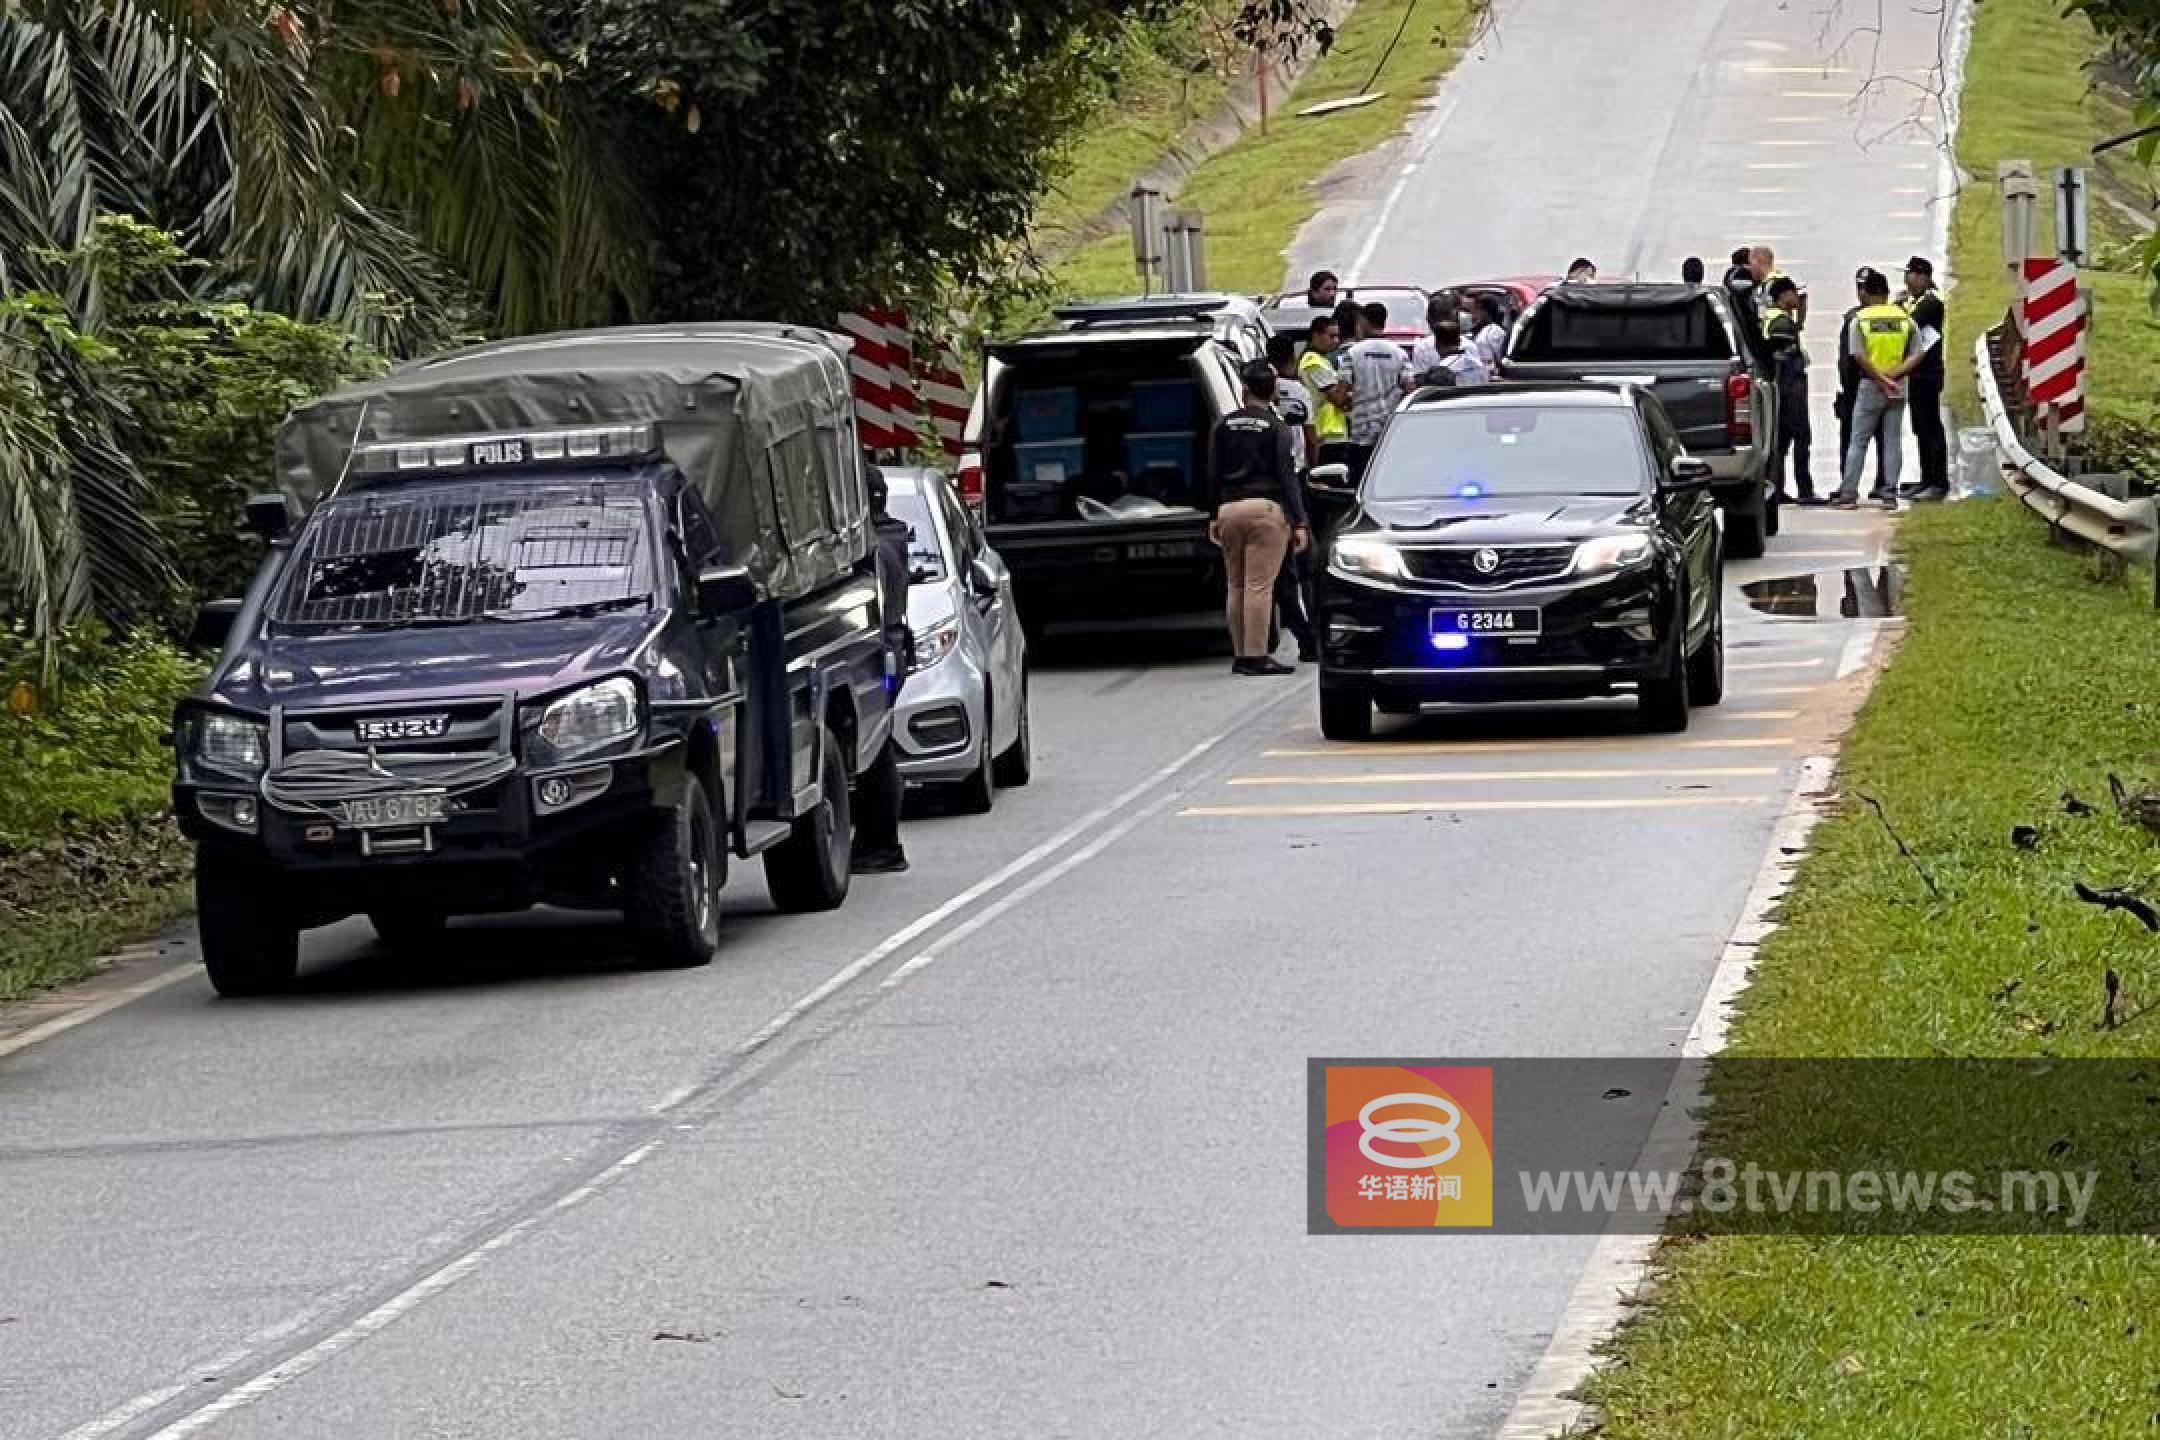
x: 881, y: 364
x: 944, y: 395
x: 2051, y: 317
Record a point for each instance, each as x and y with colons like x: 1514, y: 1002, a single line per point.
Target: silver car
x: 962, y: 716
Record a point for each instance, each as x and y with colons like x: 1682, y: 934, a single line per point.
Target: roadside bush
x: 88, y: 753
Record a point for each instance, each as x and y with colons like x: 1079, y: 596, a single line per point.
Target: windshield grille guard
x: 468, y: 554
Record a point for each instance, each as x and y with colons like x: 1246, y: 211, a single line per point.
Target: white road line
x: 1378, y: 225
x: 1619, y: 1264
x: 1748, y: 665
x: 458, y: 1266
x: 1420, y: 777
x: 1779, y: 165
x: 105, y: 1005
x: 1422, y: 807
x: 1857, y: 649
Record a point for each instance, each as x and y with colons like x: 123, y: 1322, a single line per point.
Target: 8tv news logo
x: 1403, y: 1147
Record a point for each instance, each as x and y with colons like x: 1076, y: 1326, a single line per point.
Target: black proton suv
x: 1521, y: 542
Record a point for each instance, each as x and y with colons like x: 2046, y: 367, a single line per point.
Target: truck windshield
x: 1464, y: 452
x: 451, y: 554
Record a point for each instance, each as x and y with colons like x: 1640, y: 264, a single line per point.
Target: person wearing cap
x: 1885, y: 344
x: 1762, y: 266
x: 1259, y: 515
x: 1581, y: 272
x: 876, y: 848
x: 1795, y: 433
x: 1691, y: 270
x: 1924, y: 390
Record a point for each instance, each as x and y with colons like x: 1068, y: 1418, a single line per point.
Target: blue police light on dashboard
x: 1469, y: 490
x: 1450, y: 641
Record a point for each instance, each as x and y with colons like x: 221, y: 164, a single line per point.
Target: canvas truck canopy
x: 758, y: 418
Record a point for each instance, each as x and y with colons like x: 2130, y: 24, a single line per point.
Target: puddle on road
x: 1867, y: 592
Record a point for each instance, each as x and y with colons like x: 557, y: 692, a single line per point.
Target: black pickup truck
x: 1685, y: 344
x: 567, y: 620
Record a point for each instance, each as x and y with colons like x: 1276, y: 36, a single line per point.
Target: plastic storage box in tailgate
x: 1041, y: 471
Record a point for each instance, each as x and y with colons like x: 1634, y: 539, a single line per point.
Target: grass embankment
x: 2021, y: 678
x: 88, y: 859
x: 1163, y: 74
x: 2028, y: 96
x: 1258, y: 192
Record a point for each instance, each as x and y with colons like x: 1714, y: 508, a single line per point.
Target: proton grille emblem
x: 1486, y: 561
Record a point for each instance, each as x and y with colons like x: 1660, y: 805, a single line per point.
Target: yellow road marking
x: 1790, y: 143
x: 1783, y: 690
x: 1759, y: 714
x: 1822, y: 555
x: 1420, y: 777
x: 1798, y: 70
x: 1778, y: 165
x: 1908, y: 214
x: 1421, y: 807
x: 1516, y: 747
x: 1777, y: 664
x: 1814, y: 95
x: 1798, y: 119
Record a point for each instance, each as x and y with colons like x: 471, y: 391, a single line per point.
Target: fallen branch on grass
x: 1903, y: 849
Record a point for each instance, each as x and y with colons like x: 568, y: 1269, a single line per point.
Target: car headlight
x: 933, y: 643
x: 232, y: 743
x: 592, y: 716
x: 1611, y: 552
x: 1363, y: 555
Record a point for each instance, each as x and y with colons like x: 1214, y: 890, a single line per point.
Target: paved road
x: 1008, y: 1155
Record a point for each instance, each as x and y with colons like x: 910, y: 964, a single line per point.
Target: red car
x: 1514, y: 292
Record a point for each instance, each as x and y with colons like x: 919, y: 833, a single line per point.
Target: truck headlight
x: 933, y: 643
x: 592, y: 716
x: 1362, y: 555
x: 1611, y: 552
x: 230, y: 742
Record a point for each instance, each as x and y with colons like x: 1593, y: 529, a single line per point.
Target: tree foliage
x: 2132, y: 29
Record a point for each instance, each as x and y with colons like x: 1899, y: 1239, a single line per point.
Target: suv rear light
x: 969, y: 479
x: 1739, y: 406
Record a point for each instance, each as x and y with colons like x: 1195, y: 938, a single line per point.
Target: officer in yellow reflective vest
x: 1886, y: 346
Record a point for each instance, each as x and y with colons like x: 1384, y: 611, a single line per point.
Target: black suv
x: 569, y: 619
x: 1087, y: 449
x: 1521, y: 542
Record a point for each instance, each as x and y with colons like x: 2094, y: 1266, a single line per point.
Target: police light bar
x: 505, y: 450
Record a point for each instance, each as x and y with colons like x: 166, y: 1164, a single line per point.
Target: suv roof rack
x: 1159, y: 307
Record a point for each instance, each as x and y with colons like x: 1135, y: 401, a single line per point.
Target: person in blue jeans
x: 1886, y: 346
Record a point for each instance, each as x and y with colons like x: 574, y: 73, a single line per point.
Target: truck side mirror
x: 213, y: 624
x: 724, y: 590
x: 1330, y: 477
x: 269, y: 516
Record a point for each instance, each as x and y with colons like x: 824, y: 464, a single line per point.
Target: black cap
x: 1258, y: 377
x: 1869, y: 278
x: 1920, y: 265
x: 1782, y: 286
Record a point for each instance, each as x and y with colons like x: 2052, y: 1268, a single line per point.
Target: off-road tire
x: 250, y: 942
x: 809, y: 870
x: 671, y: 887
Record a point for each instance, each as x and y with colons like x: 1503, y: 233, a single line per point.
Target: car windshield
x: 1405, y: 308
x: 912, y: 508
x: 1468, y: 452
x: 450, y: 554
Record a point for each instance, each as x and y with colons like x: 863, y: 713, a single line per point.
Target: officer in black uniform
x: 1924, y: 387
x: 879, y: 793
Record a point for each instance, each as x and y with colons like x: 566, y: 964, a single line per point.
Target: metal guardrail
x: 2128, y: 528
